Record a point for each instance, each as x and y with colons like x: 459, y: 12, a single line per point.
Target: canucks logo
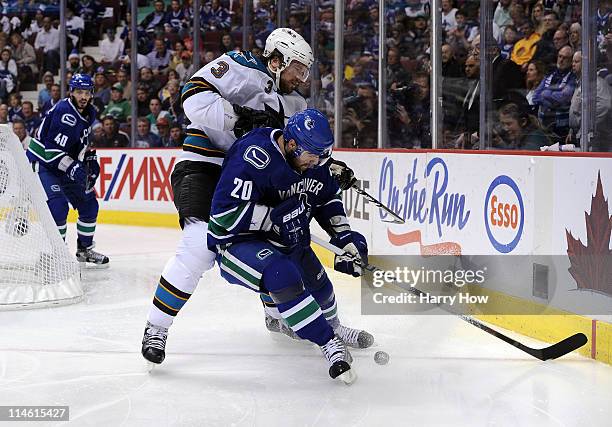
x: 309, y: 123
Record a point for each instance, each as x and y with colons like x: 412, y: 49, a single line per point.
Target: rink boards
x: 478, y: 203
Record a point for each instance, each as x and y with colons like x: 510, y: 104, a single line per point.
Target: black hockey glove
x: 290, y: 221
x: 76, y: 172
x: 356, y: 249
x: 90, y: 161
x: 343, y: 174
x: 249, y: 119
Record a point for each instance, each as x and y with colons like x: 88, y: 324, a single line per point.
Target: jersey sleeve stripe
x: 197, y: 85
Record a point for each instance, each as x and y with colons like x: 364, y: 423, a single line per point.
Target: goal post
x: 36, y: 267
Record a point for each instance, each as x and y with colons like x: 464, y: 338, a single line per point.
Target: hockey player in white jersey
x: 222, y: 101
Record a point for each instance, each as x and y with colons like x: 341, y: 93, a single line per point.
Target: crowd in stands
x: 535, y: 86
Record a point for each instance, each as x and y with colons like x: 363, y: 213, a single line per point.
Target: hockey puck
x: 381, y: 357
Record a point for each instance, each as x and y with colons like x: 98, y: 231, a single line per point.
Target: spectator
x: 141, y: 60
x: 501, y: 16
x: 163, y: 130
x: 177, y: 18
x: 123, y: 79
x: 118, y: 107
x: 228, y: 44
x: 185, y: 69
x: 395, y: 72
x: 91, y: 11
x: 96, y: 138
x: 545, y: 50
x: 176, y: 136
x: 111, y: 47
x: 90, y: 66
x: 113, y: 137
x: 44, y: 94
x: 47, y: 45
x: 525, y: 48
x: 554, y: 94
x: 214, y: 17
x: 15, y: 107
x: 8, y: 73
x: 142, y: 99
x: 159, y: 58
x: 54, y: 99
x: 602, y: 138
x: 533, y: 77
x: 75, y: 25
x: 154, y: 19
x: 172, y: 103
x: 144, y: 137
x: 506, y: 75
x: 4, y: 114
x: 36, y: 24
x: 179, y: 48
x: 517, y: 14
x: 30, y: 118
x: 409, y: 119
x: 101, y: 90
x: 509, y: 39
x: 560, y: 39
x: 575, y: 36
x: 449, y: 23
x: 359, y: 122
x: 25, y: 57
x: 74, y: 62
x: 19, y: 129
x: 155, y: 113
x: 147, y: 80
x: 471, y: 101
x: 537, y: 17
x: 522, y: 130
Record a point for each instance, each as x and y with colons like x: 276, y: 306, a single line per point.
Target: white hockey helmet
x: 291, y: 45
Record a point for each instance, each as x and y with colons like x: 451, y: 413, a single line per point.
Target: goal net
x: 36, y: 267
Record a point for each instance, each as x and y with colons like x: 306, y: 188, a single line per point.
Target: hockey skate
x: 154, y: 343
x: 91, y: 258
x: 339, y: 360
x: 279, y: 326
x: 354, y: 338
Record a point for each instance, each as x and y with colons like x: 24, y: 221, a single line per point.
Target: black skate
x: 154, y: 343
x: 339, y: 360
x: 90, y: 257
x: 354, y: 338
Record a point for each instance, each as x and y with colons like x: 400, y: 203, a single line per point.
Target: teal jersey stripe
x: 240, y: 272
x: 302, y: 314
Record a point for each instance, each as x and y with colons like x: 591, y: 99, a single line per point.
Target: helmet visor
x: 299, y: 70
x: 314, y: 159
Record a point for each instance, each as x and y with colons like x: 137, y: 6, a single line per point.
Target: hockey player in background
x: 272, y: 184
x: 66, y: 167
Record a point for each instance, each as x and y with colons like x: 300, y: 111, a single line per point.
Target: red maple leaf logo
x: 591, y: 265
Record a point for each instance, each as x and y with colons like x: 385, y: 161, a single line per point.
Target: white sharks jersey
x: 238, y: 78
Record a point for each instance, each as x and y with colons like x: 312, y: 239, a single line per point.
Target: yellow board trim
x: 553, y: 326
x: 143, y: 219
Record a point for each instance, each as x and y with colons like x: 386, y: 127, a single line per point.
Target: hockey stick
x: 554, y: 351
x: 396, y: 218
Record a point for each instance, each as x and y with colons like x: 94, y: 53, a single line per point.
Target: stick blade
x: 562, y: 348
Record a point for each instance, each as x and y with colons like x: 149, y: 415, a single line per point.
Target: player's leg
x: 56, y: 199
x: 193, y: 186
x: 318, y: 283
x: 87, y: 208
x: 261, y: 267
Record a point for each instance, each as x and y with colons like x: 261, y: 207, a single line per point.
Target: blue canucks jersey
x: 63, y: 132
x: 256, y: 177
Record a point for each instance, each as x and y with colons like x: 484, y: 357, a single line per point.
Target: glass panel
x: 408, y: 71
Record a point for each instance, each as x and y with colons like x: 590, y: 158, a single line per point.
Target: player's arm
x: 331, y: 216
x: 55, y: 140
x: 205, y: 98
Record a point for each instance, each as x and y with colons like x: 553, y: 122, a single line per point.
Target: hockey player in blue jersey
x: 271, y: 186
x: 67, y: 168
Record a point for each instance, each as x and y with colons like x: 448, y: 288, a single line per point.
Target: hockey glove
x: 291, y: 223
x: 90, y: 161
x: 76, y: 172
x: 343, y: 174
x: 355, y: 248
x: 249, y: 119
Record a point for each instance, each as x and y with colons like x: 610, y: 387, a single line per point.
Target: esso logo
x: 504, y: 214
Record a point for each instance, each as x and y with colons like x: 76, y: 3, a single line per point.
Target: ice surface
x: 224, y: 368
